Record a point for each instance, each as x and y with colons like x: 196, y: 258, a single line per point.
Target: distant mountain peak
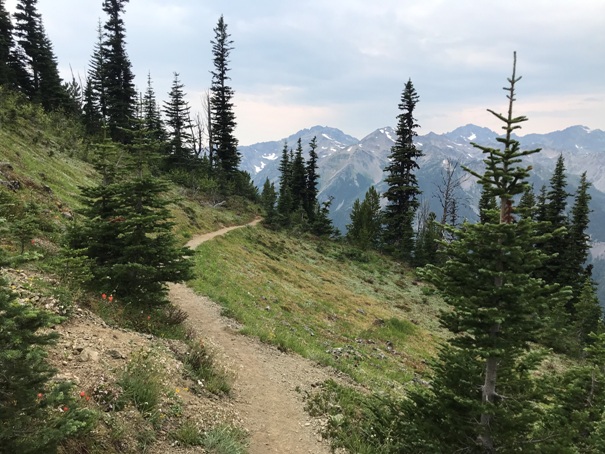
x: 471, y: 133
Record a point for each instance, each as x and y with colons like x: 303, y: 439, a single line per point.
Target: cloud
x: 346, y: 61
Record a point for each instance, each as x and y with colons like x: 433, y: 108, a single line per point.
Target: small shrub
x: 188, y: 434
x: 142, y: 382
x: 201, y: 368
x: 225, y: 440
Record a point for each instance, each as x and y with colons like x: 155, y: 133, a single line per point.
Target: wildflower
x: 82, y: 394
x: 65, y: 408
x: 178, y: 390
x: 40, y: 395
x: 149, y: 317
x: 110, y: 298
x: 104, y: 296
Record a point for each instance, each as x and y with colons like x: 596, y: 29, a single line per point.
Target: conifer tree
x: 116, y: 73
x: 311, y: 191
x: 403, y: 191
x: 44, y: 85
x: 152, y: 119
x: 588, y: 315
x: 527, y: 203
x: 364, y: 231
x: 268, y: 201
x: 127, y: 230
x: 482, y: 391
x: 7, y: 44
x: 298, y: 182
x: 322, y: 225
x: 487, y: 206
x: 178, y: 120
x: 95, y: 93
x: 35, y: 417
x: 284, y: 203
x: 578, y: 247
x: 553, y: 214
x: 224, y: 143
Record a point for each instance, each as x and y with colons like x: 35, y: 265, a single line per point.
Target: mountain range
x: 349, y: 166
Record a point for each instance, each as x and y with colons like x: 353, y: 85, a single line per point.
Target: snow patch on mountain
x: 258, y: 169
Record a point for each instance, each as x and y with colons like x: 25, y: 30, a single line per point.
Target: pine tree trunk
x: 488, y: 391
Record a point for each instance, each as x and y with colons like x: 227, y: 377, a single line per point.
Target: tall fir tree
x: 116, y: 73
x: 298, y: 181
x: 284, y: 203
x: 403, y: 191
x: 178, y: 121
x: 151, y: 115
x: 224, y: 143
x: 578, y: 247
x: 7, y: 44
x: 95, y: 92
x: 311, y: 190
x: 268, y: 201
x: 483, y: 389
x: 556, y: 223
x: 44, y: 85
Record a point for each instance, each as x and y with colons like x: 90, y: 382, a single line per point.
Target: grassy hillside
x: 361, y: 313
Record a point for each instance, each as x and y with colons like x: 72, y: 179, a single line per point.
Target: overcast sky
x: 344, y: 63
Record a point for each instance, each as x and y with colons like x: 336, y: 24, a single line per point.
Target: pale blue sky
x: 343, y: 63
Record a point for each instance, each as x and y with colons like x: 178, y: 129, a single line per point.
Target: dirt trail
x: 265, y: 388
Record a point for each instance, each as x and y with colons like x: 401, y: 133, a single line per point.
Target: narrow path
x: 266, y: 384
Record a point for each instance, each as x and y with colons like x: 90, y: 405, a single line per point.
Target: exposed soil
x: 269, y: 385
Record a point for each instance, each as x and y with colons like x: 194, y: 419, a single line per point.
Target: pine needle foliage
x: 483, y: 384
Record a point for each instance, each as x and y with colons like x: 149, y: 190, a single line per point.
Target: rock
x: 115, y: 354
x: 89, y: 355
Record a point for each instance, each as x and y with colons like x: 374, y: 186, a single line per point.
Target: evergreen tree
x: 34, y: 416
x: 574, y: 421
x: 427, y: 244
x: 116, y: 73
x: 554, y: 215
x: 527, y: 203
x: 487, y: 206
x: 483, y: 391
x: 127, y: 230
x: 284, y: 203
x: 7, y: 45
x: 268, y: 201
x: 578, y: 245
x: 224, y: 143
x: 178, y: 120
x: 322, y: 224
x: 402, y: 193
x: 298, y: 182
x: 364, y: 231
x: 44, y: 85
x: 95, y: 92
x: 588, y: 315
x: 152, y: 120
x: 311, y: 191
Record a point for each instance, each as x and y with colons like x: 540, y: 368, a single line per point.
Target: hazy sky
x: 344, y: 63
